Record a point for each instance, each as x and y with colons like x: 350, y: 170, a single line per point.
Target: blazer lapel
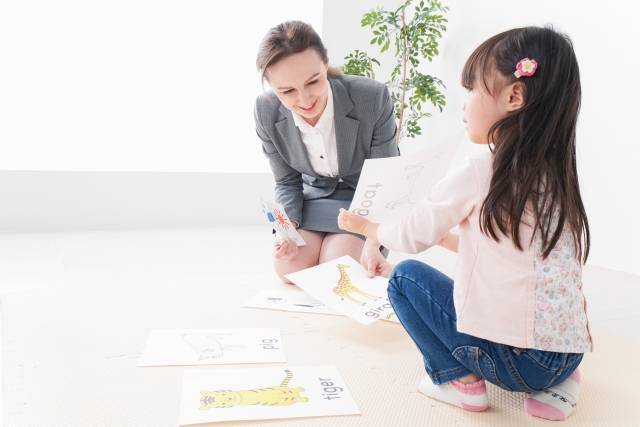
x: 346, y: 128
x: 296, y: 151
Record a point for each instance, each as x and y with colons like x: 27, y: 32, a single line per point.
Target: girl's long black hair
x: 534, y: 147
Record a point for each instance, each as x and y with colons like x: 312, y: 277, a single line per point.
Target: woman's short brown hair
x: 286, y: 39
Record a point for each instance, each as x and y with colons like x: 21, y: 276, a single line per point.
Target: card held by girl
x: 388, y: 189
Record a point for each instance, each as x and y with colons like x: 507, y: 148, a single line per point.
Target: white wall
x: 130, y: 85
x: 134, y: 85
x: 133, y: 113
x: 608, y: 141
x: 59, y: 200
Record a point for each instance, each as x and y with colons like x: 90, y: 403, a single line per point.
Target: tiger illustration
x: 273, y: 396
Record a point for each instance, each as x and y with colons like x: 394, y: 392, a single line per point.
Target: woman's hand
x: 373, y: 261
x: 357, y: 224
x: 285, y: 249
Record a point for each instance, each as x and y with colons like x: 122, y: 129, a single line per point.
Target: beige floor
x: 33, y: 261
x: 97, y: 260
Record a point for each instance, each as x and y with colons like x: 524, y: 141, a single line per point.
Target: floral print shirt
x: 560, y: 323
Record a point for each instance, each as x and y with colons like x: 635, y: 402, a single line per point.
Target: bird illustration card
x: 280, y: 222
x: 388, y: 189
x: 294, y: 299
x: 215, y: 395
x: 212, y: 347
x: 344, y: 285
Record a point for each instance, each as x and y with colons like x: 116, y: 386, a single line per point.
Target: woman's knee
x: 337, y: 245
x: 282, y: 268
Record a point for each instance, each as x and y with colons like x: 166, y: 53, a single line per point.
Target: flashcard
x: 344, y: 285
x: 389, y: 188
x: 212, y: 347
x: 289, y: 300
x: 280, y: 222
x: 392, y: 317
x: 261, y: 394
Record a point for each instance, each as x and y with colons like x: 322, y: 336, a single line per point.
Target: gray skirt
x: 322, y: 214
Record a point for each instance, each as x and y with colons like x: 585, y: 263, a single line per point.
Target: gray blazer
x: 365, y: 126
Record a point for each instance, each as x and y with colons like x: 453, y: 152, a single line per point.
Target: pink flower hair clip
x: 526, y: 67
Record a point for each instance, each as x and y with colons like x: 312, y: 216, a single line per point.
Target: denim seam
x: 513, y: 370
x: 476, y: 361
x: 440, y: 374
x: 491, y: 367
x: 412, y: 339
x: 546, y: 366
x: 577, y: 360
x: 436, y: 374
x: 452, y: 370
x: 558, y: 372
x: 427, y: 293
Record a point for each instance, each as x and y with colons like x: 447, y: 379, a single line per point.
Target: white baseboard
x: 44, y: 200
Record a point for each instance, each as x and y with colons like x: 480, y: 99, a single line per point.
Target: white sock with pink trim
x: 472, y: 397
x: 557, y: 402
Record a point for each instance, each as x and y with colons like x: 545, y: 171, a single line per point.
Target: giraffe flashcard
x: 212, y: 347
x: 391, y: 187
x: 214, y: 395
x: 344, y: 285
x: 280, y: 222
x: 289, y: 300
x: 392, y: 317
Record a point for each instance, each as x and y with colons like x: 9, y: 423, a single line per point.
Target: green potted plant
x: 413, y: 39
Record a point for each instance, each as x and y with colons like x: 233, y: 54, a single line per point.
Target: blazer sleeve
x: 288, y: 189
x: 383, y: 142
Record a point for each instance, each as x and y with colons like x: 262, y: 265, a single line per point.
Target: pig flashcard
x: 212, y: 347
x: 263, y: 394
x: 289, y: 300
x: 344, y: 285
x: 280, y: 222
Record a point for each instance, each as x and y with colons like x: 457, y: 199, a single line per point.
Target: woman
x: 317, y: 128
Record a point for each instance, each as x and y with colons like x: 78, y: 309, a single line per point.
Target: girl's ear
x: 515, y: 96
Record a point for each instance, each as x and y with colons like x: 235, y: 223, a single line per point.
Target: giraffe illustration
x: 345, y: 287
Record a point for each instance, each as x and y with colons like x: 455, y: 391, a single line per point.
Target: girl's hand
x: 351, y: 222
x: 373, y: 261
x: 285, y: 249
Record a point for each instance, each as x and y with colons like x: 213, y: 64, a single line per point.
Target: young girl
x: 514, y: 315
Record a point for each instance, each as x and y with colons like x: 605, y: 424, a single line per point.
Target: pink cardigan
x: 494, y: 283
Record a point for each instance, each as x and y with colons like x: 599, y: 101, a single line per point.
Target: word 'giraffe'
x: 345, y: 287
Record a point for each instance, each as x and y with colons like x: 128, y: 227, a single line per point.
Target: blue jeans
x: 422, y: 298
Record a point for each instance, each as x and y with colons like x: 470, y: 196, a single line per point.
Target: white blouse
x: 320, y: 140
